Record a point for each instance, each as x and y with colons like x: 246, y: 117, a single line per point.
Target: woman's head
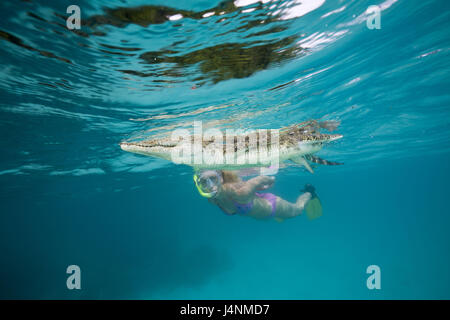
x: 208, y: 182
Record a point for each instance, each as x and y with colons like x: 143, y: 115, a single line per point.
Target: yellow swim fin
x: 313, y: 208
x: 279, y: 220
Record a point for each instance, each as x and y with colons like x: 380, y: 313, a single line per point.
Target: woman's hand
x: 255, y: 184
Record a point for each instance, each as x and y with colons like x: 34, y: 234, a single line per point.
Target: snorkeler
x: 236, y: 196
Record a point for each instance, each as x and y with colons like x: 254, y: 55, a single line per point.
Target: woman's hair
x: 230, y: 177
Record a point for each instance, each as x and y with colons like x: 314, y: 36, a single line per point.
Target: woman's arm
x: 249, y: 187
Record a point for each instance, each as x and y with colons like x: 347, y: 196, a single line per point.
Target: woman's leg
x: 286, y: 209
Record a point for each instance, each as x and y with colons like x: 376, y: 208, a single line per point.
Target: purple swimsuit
x: 245, y: 208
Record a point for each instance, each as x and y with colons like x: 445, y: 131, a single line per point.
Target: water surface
x: 137, y: 227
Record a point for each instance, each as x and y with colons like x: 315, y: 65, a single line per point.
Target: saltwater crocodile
x: 297, y: 143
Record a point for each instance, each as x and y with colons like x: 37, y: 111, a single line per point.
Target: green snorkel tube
x: 207, y: 195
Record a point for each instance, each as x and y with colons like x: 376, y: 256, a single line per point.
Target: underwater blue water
x: 136, y: 225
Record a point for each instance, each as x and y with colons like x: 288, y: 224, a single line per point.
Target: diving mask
x: 208, y: 183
